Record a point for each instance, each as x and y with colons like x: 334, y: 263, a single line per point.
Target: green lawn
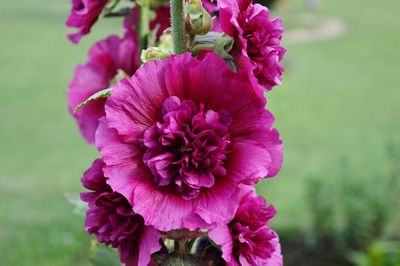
x: 340, y: 99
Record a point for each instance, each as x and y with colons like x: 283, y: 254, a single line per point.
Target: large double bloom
x: 179, y: 138
x: 247, y: 240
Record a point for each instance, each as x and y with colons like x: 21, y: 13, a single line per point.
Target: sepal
x: 98, y: 95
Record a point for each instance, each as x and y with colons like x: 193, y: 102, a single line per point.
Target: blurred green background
x: 338, y: 112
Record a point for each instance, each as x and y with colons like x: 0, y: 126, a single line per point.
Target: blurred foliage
x: 380, y: 253
x: 267, y: 3
x: 350, y: 212
x: 103, y: 256
x: 80, y: 206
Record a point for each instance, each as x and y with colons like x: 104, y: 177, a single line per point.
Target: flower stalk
x: 178, y: 25
x: 144, y: 22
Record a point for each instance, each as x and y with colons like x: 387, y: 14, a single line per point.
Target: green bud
x: 198, y: 20
x: 153, y: 53
x: 221, y: 43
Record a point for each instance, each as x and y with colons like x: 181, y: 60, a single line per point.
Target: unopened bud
x: 198, y: 20
x: 153, y: 53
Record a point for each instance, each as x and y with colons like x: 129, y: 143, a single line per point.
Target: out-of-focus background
x: 338, y: 112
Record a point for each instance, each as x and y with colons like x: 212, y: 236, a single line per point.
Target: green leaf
x: 98, y: 95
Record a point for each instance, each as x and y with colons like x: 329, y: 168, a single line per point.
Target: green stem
x: 144, y: 21
x: 178, y: 25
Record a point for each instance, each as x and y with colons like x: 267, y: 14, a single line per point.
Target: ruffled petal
x: 221, y: 235
x: 138, y: 252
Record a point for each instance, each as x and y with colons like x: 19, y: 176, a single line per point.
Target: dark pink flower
x: 181, y: 135
x: 106, y: 59
x: 162, y: 20
x: 84, y: 13
x: 247, y: 240
x: 257, y: 39
x: 111, y: 219
x: 211, y: 6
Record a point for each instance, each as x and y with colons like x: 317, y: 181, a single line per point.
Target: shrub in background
x: 350, y: 212
x: 268, y: 3
x: 380, y: 253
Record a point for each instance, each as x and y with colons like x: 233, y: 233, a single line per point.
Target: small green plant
x: 380, y: 253
x: 350, y: 212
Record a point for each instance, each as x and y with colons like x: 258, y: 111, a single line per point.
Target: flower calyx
x: 153, y: 53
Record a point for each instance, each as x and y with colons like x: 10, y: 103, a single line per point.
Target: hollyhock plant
x: 177, y: 111
x: 257, y: 37
x: 181, y: 135
x: 111, y: 219
x: 106, y: 59
x: 84, y: 13
x: 247, y: 240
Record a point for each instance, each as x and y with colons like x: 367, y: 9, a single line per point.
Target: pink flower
x: 246, y: 240
x: 162, y: 20
x: 181, y: 135
x: 257, y: 39
x: 111, y: 219
x: 211, y: 6
x: 106, y: 59
x: 84, y: 13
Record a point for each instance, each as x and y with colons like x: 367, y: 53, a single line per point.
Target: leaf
x: 98, y: 95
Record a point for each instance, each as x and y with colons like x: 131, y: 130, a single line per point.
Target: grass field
x: 340, y: 99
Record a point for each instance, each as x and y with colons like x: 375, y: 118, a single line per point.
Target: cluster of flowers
x: 183, y: 139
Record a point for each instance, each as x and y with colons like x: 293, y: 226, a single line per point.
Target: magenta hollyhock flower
x: 111, y: 219
x: 247, y: 240
x: 211, y: 6
x: 106, y: 59
x: 162, y: 20
x: 84, y: 13
x: 181, y: 135
x: 257, y: 37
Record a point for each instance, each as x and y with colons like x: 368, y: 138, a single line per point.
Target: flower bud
x: 198, y: 20
x: 208, y: 252
x: 153, y: 53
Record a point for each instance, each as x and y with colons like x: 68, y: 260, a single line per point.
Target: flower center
x: 78, y: 5
x: 187, y: 149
